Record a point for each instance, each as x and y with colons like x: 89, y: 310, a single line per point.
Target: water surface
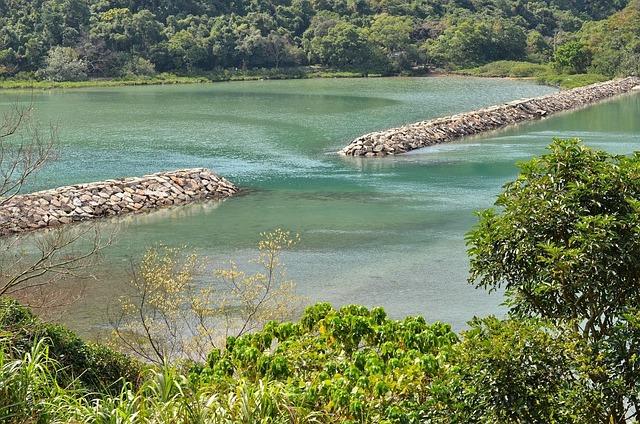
x: 384, y: 231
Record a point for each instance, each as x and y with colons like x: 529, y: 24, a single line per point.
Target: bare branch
x: 23, y: 149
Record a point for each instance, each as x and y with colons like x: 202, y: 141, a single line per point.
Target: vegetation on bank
x: 135, y: 41
x: 47, y: 84
x: 170, y: 79
x: 563, y: 243
x: 544, y: 74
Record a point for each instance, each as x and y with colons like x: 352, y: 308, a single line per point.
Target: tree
x: 517, y: 371
x: 64, y: 64
x: 472, y: 42
x: 343, y: 45
x: 281, y: 50
x: 393, y: 35
x: 615, y: 42
x: 572, y: 57
x: 538, y: 49
x: 167, y: 316
x: 139, y: 66
x: 188, y: 51
x: 564, y: 245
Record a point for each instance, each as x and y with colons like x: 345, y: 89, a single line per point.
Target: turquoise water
x: 384, y: 231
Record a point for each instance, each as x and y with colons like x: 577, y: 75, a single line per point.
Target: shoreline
x: 17, y: 85
x: 171, y: 79
x: 449, y: 128
x: 552, y: 80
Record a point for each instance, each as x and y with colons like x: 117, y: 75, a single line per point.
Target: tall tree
x: 565, y: 245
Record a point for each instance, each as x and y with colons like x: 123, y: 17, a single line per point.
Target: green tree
x: 538, y: 49
x: 64, y: 64
x: 564, y: 246
x: 615, y: 42
x: 473, y: 42
x: 572, y: 57
x: 393, y: 35
x: 188, y: 51
x: 517, y: 371
x: 344, y: 46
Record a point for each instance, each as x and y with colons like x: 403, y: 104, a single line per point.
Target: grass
x: 543, y: 73
x: 30, y: 393
x: 169, y: 79
x: 10, y: 84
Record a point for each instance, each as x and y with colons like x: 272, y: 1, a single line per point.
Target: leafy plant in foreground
x: 565, y: 245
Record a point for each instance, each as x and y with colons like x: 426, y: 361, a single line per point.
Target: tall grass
x: 161, y: 79
x: 26, y: 383
x: 30, y: 393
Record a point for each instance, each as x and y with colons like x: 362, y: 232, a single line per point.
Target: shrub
x: 355, y: 364
x: 517, y: 371
x: 98, y: 367
x: 64, y: 64
x: 139, y: 67
x: 572, y: 57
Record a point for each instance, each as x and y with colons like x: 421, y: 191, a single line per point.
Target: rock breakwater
x: 427, y: 133
x: 81, y: 202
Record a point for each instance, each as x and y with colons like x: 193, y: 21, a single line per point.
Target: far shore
x: 171, y: 79
x: 542, y: 74
x: 250, y: 75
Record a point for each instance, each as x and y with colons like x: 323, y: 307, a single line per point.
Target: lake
x: 381, y: 231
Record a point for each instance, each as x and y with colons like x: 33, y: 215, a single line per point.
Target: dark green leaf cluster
x: 564, y: 243
x: 99, y: 368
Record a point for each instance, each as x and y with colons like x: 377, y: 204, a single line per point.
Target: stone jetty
x: 81, y: 202
x: 441, y: 130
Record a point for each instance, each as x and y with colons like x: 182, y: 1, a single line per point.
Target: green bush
x: 508, y: 68
x: 354, y: 363
x: 98, y: 367
x: 518, y: 371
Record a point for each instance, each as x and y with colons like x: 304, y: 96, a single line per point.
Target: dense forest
x: 67, y: 40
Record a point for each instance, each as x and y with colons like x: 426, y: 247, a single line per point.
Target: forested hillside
x: 79, y: 39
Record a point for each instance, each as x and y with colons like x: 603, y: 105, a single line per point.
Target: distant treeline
x: 67, y: 40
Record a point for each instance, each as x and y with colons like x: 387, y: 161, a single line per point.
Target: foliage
x: 139, y: 66
x: 347, y: 365
x: 168, y: 316
x: 111, y: 37
x: 518, y: 371
x: 571, y: 81
x: 353, y: 364
x: 564, y: 246
x: 544, y: 74
x: 26, y: 382
x: 508, y: 68
x: 473, y: 41
x: 94, y: 366
x: 64, y: 64
x: 615, y: 42
x: 572, y: 57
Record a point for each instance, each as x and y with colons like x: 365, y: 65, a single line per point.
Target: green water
x: 377, y: 232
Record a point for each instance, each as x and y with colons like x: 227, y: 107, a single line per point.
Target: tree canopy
x: 196, y: 36
x: 564, y: 244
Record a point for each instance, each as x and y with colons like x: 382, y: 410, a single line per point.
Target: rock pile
x: 441, y: 130
x: 80, y: 202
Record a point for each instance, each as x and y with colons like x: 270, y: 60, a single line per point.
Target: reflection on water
x: 386, y: 231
